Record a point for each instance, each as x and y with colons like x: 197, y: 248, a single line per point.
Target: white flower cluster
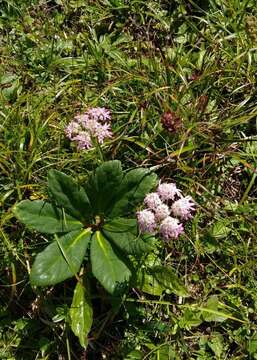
x: 94, y: 124
x: 160, y: 205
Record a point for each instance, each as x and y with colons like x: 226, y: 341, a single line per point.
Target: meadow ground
x: 179, y: 78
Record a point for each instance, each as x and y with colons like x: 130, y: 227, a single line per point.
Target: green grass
x: 139, y: 59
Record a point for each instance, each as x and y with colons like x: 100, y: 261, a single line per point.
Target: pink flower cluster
x: 94, y: 124
x: 164, y: 209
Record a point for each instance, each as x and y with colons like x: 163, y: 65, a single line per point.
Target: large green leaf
x: 159, y: 278
x: 135, y: 185
x: 107, y: 266
x: 124, y: 234
x: 44, y: 217
x: 81, y: 313
x: 120, y: 224
x: 61, y: 259
x: 67, y: 193
x: 103, y: 186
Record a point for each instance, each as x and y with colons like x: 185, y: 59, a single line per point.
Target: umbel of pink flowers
x: 92, y: 125
x: 164, y: 210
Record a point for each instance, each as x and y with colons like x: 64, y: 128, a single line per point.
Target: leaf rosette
x: 94, y: 218
x: 94, y: 221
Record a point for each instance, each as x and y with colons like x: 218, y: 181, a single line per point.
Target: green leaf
x: 214, y: 310
x: 167, y: 277
x: 220, y: 229
x: 135, y: 185
x: 210, y: 243
x: 103, y: 186
x: 252, y: 345
x: 190, y: 318
x: 122, y: 225
x: 44, y: 217
x: 134, y: 355
x: 148, y: 284
x: 11, y: 86
x: 107, y: 266
x: 68, y: 194
x: 124, y: 234
x: 216, y: 344
x: 61, y: 259
x: 81, y: 313
x: 159, y: 278
x: 165, y: 352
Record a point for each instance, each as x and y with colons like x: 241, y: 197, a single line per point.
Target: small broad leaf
x: 167, y: 277
x: 44, y: 217
x: 81, y: 313
x: 190, y: 318
x: 135, y: 185
x: 210, y: 244
x: 165, y: 352
x: 148, y: 284
x: 61, y: 259
x: 216, y: 344
x: 214, y: 310
x: 220, y: 229
x: 252, y: 344
x: 134, y: 355
x: 68, y: 194
x: 107, y: 266
x: 162, y: 279
x: 124, y: 234
x: 103, y: 185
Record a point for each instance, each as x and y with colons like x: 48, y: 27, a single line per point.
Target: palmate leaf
x: 135, y: 185
x: 61, y: 259
x: 44, y: 217
x: 81, y: 313
x: 120, y: 224
x: 124, y: 234
x: 107, y: 266
x: 103, y: 186
x: 114, y: 194
x: 68, y: 194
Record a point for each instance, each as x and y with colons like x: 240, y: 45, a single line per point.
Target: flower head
x: 170, y: 228
x: 159, y: 206
x: 83, y: 140
x: 91, y: 125
x: 152, y: 200
x: 161, y: 212
x: 168, y: 191
x: 82, y: 118
x: 72, y: 129
x: 182, y: 208
x: 99, y: 113
x: 102, y: 132
x: 146, y: 221
x: 171, y: 121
